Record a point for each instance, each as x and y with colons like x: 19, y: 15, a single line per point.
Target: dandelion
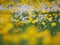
x: 17, y: 20
x: 44, y: 11
x: 20, y: 24
x: 53, y: 24
x: 49, y: 19
x: 43, y: 23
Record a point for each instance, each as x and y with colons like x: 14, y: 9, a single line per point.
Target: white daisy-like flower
x: 59, y: 20
x: 1, y: 7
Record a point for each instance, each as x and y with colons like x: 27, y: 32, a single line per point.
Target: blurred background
x: 29, y: 22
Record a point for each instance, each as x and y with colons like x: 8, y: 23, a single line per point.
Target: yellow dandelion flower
x: 56, y: 15
x: 17, y: 20
x: 45, y: 17
x: 43, y: 23
x: 50, y: 15
x: 30, y: 19
x: 33, y: 21
x: 44, y: 11
x: 53, y: 24
x: 49, y: 19
x: 20, y: 24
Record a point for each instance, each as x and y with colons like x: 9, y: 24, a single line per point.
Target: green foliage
x: 1, y: 40
x: 23, y: 42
